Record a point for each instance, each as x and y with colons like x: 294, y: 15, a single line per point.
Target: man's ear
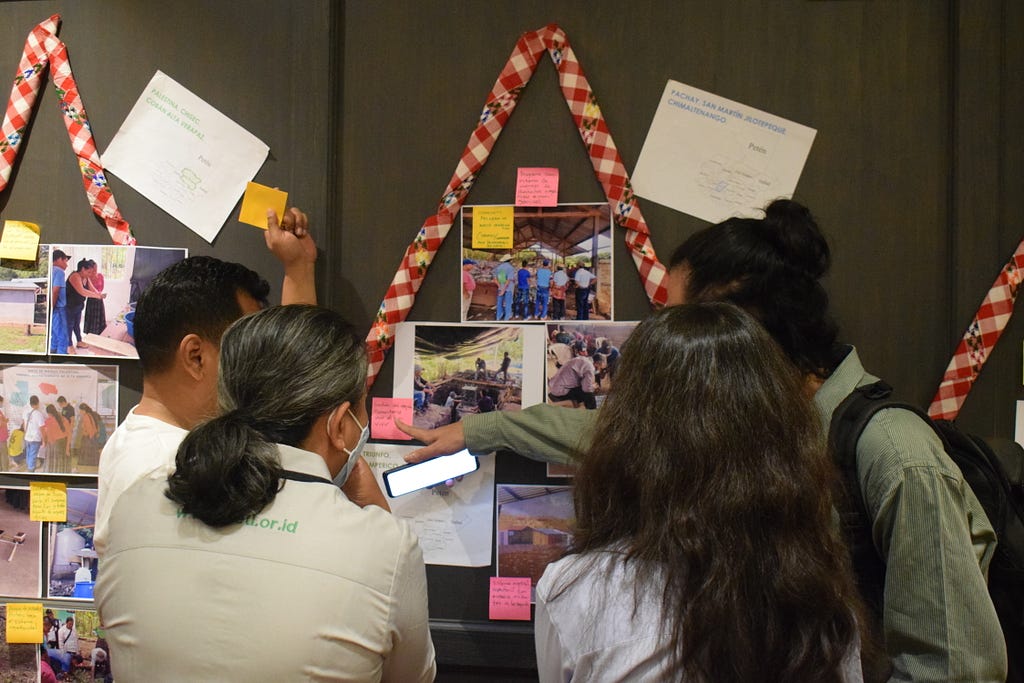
x: 192, y: 356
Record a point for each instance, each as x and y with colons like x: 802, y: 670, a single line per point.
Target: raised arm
x: 290, y: 241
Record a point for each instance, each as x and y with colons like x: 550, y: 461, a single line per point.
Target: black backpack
x: 993, y: 468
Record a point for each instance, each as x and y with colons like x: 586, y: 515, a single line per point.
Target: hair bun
x: 796, y: 235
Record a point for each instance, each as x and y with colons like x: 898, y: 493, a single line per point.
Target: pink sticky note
x: 537, y: 187
x: 510, y: 598
x: 385, y: 410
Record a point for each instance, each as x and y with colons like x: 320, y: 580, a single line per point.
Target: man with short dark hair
x: 59, y: 339
x: 179, y: 321
x: 34, y: 422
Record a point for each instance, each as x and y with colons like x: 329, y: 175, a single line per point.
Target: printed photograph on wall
x: 534, y: 529
x: 73, y: 560
x: 19, y: 662
x: 23, y: 304
x: 452, y: 370
x: 75, y: 646
x: 93, y: 293
x: 20, y: 547
x: 581, y: 361
x: 55, y: 418
x: 536, y: 263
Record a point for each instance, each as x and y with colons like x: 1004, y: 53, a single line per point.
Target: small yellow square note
x: 257, y: 199
x: 20, y: 241
x: 493, y: 227
x: 24, y: 622
x: 48, y: 501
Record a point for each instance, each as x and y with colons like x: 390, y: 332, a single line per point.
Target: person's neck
x: 168, y: 401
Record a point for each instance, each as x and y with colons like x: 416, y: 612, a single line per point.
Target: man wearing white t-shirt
x: 584, y: 278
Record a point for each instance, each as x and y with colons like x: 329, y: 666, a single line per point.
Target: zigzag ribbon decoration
x: 497, y: 110
x: 979, y: 339
x: 42, y: 48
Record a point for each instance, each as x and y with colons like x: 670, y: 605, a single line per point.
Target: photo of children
x: 20, y: 548
x: 74, y: 646
x: 559, y: 266
x: 73, y: 561
x: 93, y: 291
x: 460, y: 370
x: 534, y: 529
x: 581, y: 361
x: 23, y: 304
x: 56, y: 417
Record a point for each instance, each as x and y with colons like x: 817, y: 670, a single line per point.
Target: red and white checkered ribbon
x: 500, y: 103
x: 979, y: 339
x: 43, y: 48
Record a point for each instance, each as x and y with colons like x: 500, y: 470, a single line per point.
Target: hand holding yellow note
x: 24, y: 622
x: 257, y: 199
x: 48, y: 501
x: 20, y: 241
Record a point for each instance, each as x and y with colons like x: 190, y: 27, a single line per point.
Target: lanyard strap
x: 979, y: 339
x: 42, y: 48
x: 500, y: 104
x: 292, y: 475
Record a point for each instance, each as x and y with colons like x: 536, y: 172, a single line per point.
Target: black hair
x: 198, y: 295
x: 85, y: 264
x: 771, y: 267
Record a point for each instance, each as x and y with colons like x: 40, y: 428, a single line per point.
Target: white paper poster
x: 714, y: 158
x: 454, y: 525
x: 184, y: 156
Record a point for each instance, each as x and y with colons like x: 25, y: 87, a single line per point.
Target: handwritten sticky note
x: 385, y: 410
x: 257, y: 199
x: 537, y: 187
x: 510, y: 598
x: 20, y: 241
x: 48, y: 501
x: 492, y: 227
x: 24, y: 622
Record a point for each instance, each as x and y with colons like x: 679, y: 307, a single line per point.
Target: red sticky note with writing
x: 537, y: 187
x: 510, y: 598
x: 382, y: 419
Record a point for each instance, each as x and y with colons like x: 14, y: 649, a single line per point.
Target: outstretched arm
x: 290, y: 241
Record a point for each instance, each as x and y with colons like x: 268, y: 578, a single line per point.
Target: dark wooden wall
x: 915, y: 173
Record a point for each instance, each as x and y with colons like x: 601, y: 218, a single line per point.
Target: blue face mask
x: 354, y: 454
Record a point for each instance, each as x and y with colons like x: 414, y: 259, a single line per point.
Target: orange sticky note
x: 537, y: 187
x: 24, y: 622
x: 510, y: 598
x: 492, y: 227
x: 382, y: 419
x: 20, y: 241
x: 48, y: 501
x: 257, y: 199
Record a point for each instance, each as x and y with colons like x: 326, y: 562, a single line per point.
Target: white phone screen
x: 409, y: 478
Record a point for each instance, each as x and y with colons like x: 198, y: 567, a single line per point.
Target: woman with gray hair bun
x: 250, y: 546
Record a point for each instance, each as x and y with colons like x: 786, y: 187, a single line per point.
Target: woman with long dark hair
x: 55, y: 442
x: 704, y: 547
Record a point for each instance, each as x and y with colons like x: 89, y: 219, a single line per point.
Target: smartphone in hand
x: 415, y: 476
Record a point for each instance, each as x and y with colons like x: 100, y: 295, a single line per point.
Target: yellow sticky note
x: 20, y: 241
x: 24, y: 622
x: 48, y: 501
x: 257, y: 199
x: 492, y: 227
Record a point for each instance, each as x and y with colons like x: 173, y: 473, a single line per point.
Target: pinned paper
x: 382, y: 419
x: 492, y: 227
x: 24, y: 622
x: 257, y: 199
x: 48, y: 501
x: 20, y: 241
x: 537, y: 187
x: 510, y: 598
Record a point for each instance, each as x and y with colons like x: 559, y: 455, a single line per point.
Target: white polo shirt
x: 312, y: 588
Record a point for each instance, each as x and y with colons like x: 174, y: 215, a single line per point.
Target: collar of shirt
x: 306, y: 462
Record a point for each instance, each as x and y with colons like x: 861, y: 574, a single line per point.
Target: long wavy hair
x: 708, y: 475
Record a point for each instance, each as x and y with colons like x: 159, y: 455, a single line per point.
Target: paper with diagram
x: 184, y: 156
x: 714, y: 158
x: 455, y: 525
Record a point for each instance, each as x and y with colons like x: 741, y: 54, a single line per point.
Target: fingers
x: 415, y: 432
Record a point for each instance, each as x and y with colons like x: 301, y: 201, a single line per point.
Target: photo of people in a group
x: 581, y: 361
x: 73, y: 561
x: 55, y: 418
x: 74, y: 646
x: 537, y: 263
x: 23, y: 307
x: 461, y: 370
x: 93, y: 292
x: 20, y: 547
x: 534, y: 529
